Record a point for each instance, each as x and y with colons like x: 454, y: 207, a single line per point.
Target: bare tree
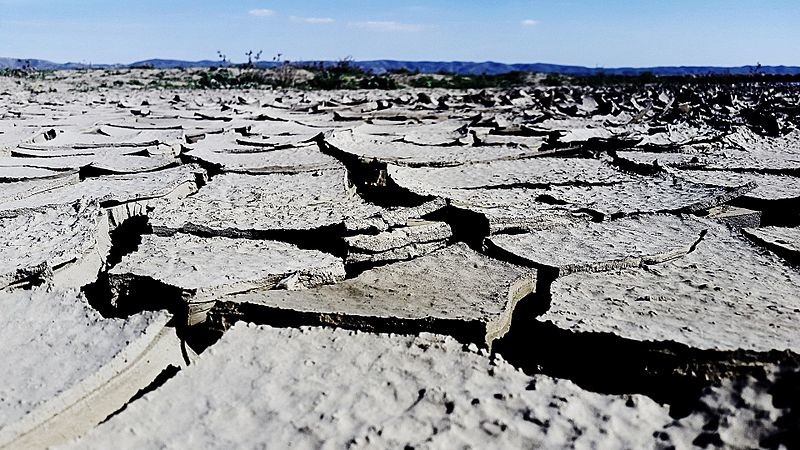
x: 251, y: 55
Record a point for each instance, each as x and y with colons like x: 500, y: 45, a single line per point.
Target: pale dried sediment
x: 118, y: 189
x: 444, y: 133
x: 502, y: 207
x: 575, y: 134
x: 423, y: 391
x: 255, y: 138
x: 784, y: 241
x: 208, y: 269
x: 11, y: 136
x: 95, y: 152
x: 514, y: 209
x: 18, y: 190
x: 542, y: 196
x: 59, y: 155
x: 132, y: 163
x: 410, y: 241
x: 68, y: 368
x: 597, y: 247
x: 402, y: 253
x: 452, y: 288
x: 22, y: 173
x: 110, y: 163
x: 532, y: 172
x: 681, y: 306
x: 367, y: 149
x: 242, y: 205
x: 768, y: 187
x: 104, y: 137
x: 64, y: 244
x: 395, y: 217
x: 421, y: 231
x: 649, y: 195
x: 734, y: 160
x: 734, y: 216
x: 677, y: 135
x: 305, y: 158
x: 725, y: 295
x: 286, y: 129
x: 59, y: 163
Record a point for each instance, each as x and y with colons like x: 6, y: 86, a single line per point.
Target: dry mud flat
x: 612, y: 267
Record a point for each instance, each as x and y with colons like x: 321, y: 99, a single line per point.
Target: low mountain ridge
x: 449, y: 67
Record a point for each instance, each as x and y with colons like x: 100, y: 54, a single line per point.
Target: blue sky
x: 608, y: 33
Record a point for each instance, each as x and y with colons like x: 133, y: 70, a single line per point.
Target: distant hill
x: 493, y: 68
x: 173, y: 63
x: 41, y: 64
x: 450, y: 67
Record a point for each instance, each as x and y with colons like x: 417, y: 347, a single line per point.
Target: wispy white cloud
x: 530, y: 23
x: 376, y: 25
x: 312, y: 20
x: 261, y: 12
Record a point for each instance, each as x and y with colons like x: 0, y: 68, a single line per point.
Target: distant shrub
x: 554, y: 79
x: 403, y: 71
x: 506, y: 80
x: 26, y: 70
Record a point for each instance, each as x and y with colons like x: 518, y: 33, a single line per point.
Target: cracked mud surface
x: 596, y: 247
x: 612, y: 267
x: 425, y: 392
x: 236, y: 204
x: 64, y: 244
x: 725, y: 295
x: 452, y: 285
x: 61, y: 351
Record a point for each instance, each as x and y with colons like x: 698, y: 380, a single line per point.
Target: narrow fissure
x: 166, y: 374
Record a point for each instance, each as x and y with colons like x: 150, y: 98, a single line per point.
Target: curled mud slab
x: 410, y: 241
x: 784, y: 241
x: 533, y: 172
x: 725, y: 295
x: 107, y: 164
x: 768, y: 187
x: 293, y: 160
x: 63, y: 244
x: 68, y: 368
x: 421, y: 392
x: 385, y: 219
x: 118, y: 189
x: 238, y: 204
x: 452, y: 288
x: 647, y: 196
x: 186, y: 269
x: 425, y: 391
x: 366, y: 149
x: 103, y: 137
x: 597, y: 247
x: 13, y: 191
x: 23, y: 173
x: 561, y: 186
x: 235, y: 153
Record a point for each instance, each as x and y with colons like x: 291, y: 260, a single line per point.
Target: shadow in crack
x: 668, y: 372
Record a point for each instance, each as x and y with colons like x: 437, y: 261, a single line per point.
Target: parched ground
x: 594, y: 267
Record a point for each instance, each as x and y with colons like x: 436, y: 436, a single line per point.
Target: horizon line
x: 233, y: 63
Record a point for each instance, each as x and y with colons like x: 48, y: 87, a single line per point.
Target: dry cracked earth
x: 608, y: 267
